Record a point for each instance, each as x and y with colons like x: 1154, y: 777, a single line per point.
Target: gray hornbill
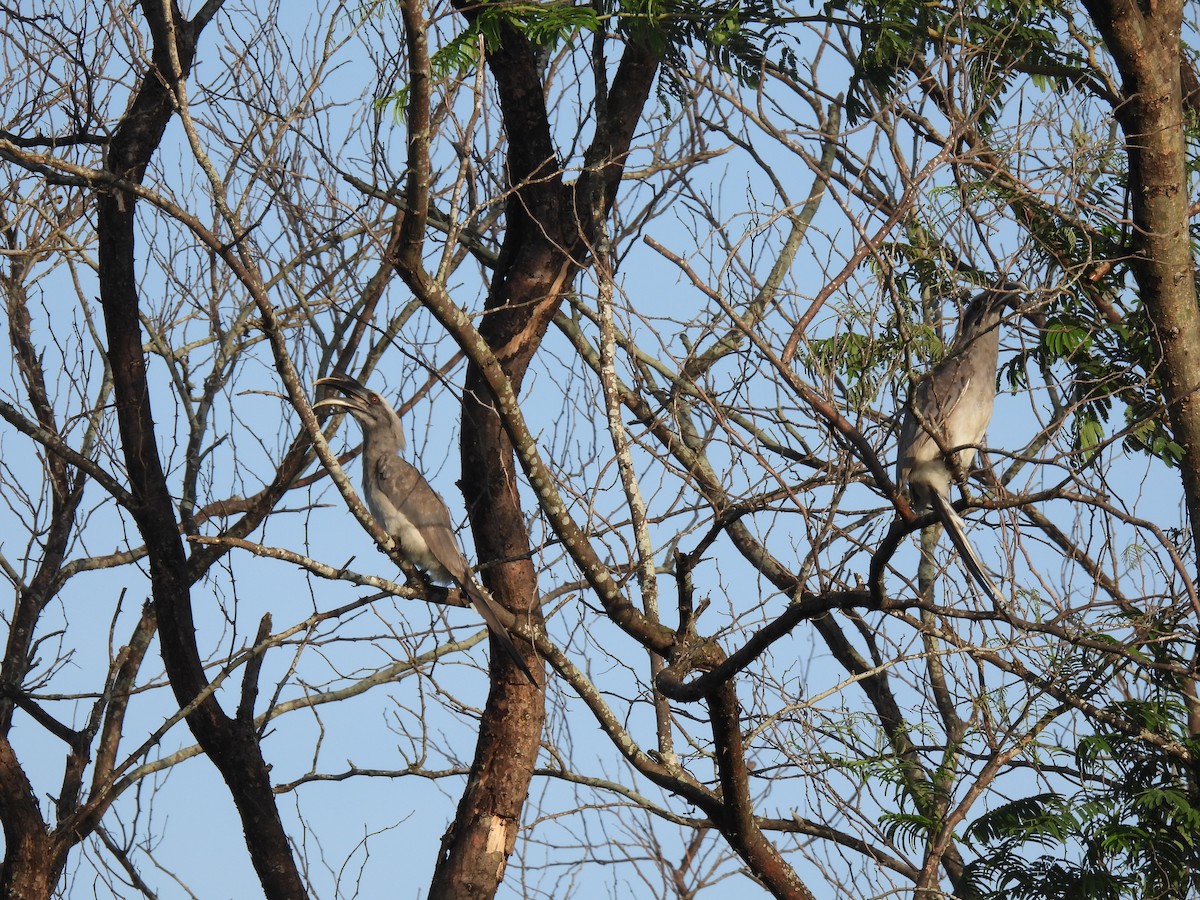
x: 403, y: 503
x: 946, y: 418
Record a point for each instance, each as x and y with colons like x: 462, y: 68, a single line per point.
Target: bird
x: 404, y: 504
x: 946, y: 418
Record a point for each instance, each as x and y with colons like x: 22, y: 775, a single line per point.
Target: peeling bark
x: 546, y: 240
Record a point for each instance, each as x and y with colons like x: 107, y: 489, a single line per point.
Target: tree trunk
x: 1146, y: 48
x: 33, y: 857
x: 231, y: 744
x: 549, y: 225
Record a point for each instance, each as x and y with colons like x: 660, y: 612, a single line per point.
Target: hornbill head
x: 378, y: 420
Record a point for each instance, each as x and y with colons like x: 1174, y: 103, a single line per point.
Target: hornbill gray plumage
x: 946, y: 419
x: 407, y: 508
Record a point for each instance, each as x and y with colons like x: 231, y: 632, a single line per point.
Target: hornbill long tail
x: 946, y: 419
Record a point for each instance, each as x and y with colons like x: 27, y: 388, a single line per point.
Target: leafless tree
x: 668, y: 307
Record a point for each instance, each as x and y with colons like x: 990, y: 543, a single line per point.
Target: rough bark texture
x: 735, y: 814
x: 231, y: 744
x: 548, y: 230
x: 33, y: 858
x: 1145, y: 44
x: 35, y: 854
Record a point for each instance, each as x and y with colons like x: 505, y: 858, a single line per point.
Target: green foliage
x: 736, y: 35
x: 1147, y: 431
x: 1131, y: 831
x: 543, y: 24
x: 1042, y: 819
x: 1088, y: 434
x: 852, y: 356
x: 1108, y: 362
x: 907, y: 830
x: 861, y: 361
x: 1061, y: 339
x: 995, y: 42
